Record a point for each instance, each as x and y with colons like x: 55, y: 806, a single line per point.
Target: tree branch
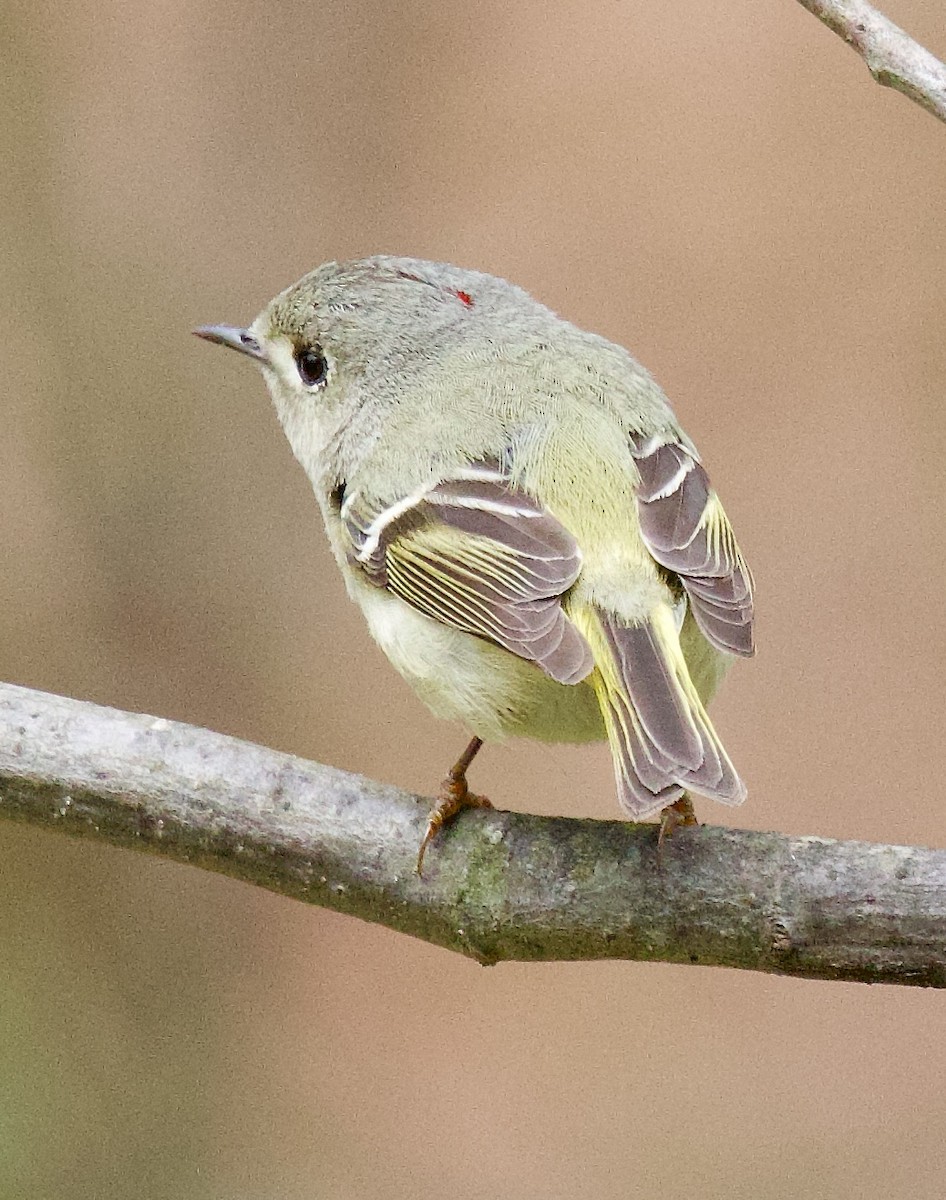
x: 892, y: 56
x: 498, y: 885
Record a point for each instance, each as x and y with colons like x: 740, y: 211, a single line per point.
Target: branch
x: 892, y: 56
x: 498, y: 885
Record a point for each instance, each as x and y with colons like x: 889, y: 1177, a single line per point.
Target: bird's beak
x: 236, y: 339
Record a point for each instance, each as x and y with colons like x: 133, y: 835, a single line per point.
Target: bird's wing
x: 476, y: 553
x: 686, y: 530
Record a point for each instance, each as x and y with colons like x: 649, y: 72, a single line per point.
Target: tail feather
x: 643, y: 775
x: 662, y: 739
x: 659, y: 706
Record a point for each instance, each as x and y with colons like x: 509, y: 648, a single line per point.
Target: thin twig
x: 892, y: 56
x: 497, y: 885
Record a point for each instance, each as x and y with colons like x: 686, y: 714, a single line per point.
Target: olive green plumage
x: 527, y: 529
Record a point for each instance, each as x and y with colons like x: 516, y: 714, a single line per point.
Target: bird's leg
x: 454, y: 795
x: 674, y: 815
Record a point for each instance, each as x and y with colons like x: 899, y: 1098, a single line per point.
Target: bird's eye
x: 312, y: 366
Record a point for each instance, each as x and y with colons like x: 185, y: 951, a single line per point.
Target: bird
x: 529, y: 532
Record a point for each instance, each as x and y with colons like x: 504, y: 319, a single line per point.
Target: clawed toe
x: 675, y: 815
x: 454, y: 795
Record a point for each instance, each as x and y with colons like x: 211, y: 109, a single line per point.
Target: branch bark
x: 892, y: 56
x: 498, y: 885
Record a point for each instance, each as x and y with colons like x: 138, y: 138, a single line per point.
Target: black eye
x: 312, y: 366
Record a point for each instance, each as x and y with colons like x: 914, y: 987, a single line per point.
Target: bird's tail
x: 662, y: 740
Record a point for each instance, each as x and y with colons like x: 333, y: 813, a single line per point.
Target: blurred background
x: 721, y: 188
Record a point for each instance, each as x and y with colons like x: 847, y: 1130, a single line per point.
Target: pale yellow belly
x: 463, y: 678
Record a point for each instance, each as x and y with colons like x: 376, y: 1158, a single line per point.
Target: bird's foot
x: 454, y: 795
x: 671, y: 818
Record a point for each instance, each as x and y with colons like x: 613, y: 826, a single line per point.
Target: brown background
x: 718, y: 186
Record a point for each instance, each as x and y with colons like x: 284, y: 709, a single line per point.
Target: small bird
x: 530, y: 534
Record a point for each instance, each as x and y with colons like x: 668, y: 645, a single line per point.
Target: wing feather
x: 475, y: 553
x: 686, y: 530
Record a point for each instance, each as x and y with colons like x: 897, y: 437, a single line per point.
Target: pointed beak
x: 236, y: 339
